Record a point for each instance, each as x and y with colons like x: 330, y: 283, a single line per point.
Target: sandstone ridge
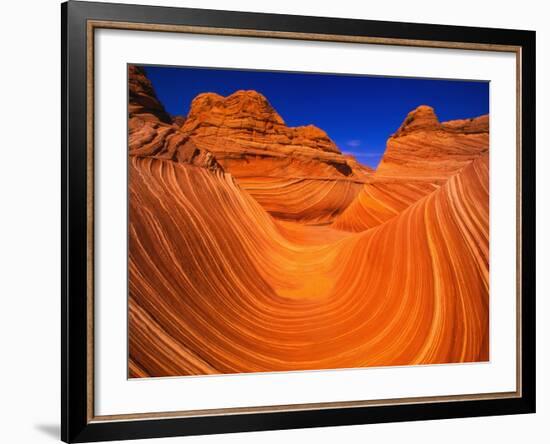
x: 296, y: 173
x: 420, y: 156
x: 424, y: 118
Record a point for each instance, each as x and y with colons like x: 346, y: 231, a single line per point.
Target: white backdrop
x: 29, y: 234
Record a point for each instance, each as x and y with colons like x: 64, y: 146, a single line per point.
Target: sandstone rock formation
x: 258, y: 247
x: 421, y: 156
x: 479, y: 125
x: 424, y: 148
x: 244, y: 123
x: 152, y: 132
x: 218, y: 286
x: 421, y: 118
x: 142, y: 99
x: 295, y: 173
x: 178, y: 120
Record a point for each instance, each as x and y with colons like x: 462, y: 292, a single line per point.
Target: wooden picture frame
x: 79, y: 22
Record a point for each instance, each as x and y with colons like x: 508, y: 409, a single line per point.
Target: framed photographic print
x: 276, y: 221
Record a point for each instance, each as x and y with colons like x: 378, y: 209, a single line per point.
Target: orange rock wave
x: 278, y: 165
x: 218, y: 286
x: 258, y: 247
x: 419, y: 157
x: 312, y: 201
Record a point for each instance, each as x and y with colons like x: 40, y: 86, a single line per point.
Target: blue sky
x: 358, y: 112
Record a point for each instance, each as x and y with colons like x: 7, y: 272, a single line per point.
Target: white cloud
x: 353, y: 143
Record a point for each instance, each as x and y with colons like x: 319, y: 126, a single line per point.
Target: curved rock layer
x: 218, y: 286
x: 142, y: 99
x: 294, y: 173
x: 380, y: 201
x: 311, y: 201
x: 424, y: 148
x: 419, y: 158
x: 243, y: 135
